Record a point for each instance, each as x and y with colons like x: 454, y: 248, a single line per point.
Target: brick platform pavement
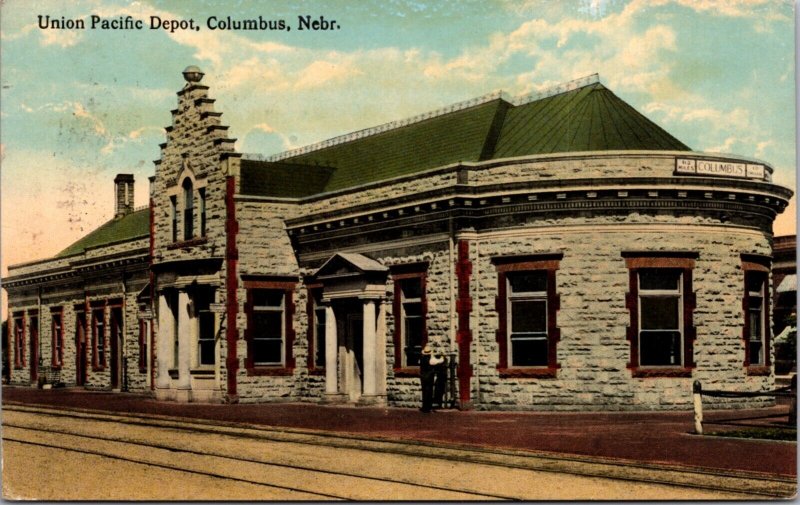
x: 651, y: 437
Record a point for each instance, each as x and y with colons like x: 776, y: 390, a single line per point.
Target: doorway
x: 34, y: 354
x: 80, y: 349
x: 116, y: 347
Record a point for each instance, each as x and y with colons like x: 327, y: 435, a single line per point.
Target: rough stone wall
x: 592, y: 282
x: 405, y: 391
x: 555, y: 168
x: 265, y: 250
x: 195, y: 140
x: 196, y: 143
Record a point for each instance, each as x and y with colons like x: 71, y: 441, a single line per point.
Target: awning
x: 788, y: 284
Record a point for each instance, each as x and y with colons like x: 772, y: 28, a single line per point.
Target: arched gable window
x: 188, y: 209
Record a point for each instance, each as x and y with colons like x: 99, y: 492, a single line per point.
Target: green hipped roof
x: 128, y: 227
x: 589, y: 118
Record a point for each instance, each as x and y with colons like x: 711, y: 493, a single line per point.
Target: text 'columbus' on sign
x: 719, y: 168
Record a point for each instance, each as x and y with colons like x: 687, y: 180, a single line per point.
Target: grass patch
x: 766, y: 433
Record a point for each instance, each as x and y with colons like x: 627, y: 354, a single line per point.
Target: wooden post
x: 697, y: 391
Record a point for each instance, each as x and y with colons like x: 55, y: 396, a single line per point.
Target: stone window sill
x: 269, y: 371
x: 202, y: 371
x: 758, y: 371
x: 662, y: 372
x: 409, y: 371
x: 187, y: 243
x: 531, y: 373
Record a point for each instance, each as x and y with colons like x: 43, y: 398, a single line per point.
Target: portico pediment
x: 347, y: 275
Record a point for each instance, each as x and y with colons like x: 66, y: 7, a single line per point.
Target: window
x: 19, y: 341
x: 756, y: 308
x: 33, y: 327
x: 58, y: 337
x: 410, y: 315
x: 202, y: 193
x: 267, y: 335
x: 206, y: 338
x: 527, y: 310
x: 270, y: 334
x: 144, y: 332
x: 527, y: 318
x: 660, y: 321
x: 188, y: 210
x: 98, y: 339
x: 317, y: 315
x: 755, y: 305
x: 661, y: 305
x: 174, y: 217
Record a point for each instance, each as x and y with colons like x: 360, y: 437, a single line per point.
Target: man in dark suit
x: 427, y: 362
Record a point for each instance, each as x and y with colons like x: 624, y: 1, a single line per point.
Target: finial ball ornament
x: 192, y: 73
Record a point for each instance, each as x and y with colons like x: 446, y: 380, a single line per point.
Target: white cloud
x: 61, y: 38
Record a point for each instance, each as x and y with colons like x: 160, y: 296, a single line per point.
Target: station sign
x: 720, y: 168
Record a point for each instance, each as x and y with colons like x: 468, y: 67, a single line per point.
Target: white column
x: 331, y: 352
x: 380, y: 350
x: 166, y: 327
x: 369, y: 348
x: 185, y: 334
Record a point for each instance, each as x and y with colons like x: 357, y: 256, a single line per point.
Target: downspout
x: 232, y: 285
x: 151, y: 369
x: 38, y: 332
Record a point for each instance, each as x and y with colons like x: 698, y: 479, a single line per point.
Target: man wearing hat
x: 427, y: 362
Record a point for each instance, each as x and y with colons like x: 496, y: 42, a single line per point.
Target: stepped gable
x: 128, y: 227
x: 578, y: 117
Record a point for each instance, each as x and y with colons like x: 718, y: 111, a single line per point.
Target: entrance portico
x: 354, y: 289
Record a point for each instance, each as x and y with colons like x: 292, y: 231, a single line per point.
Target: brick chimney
x: 123, y: 191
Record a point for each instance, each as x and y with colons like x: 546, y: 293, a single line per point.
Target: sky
x: 79, y: 106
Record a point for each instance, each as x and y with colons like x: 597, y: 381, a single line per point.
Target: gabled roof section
x: 128, y: 227
x: 282, y: 180
x: 582, y: 115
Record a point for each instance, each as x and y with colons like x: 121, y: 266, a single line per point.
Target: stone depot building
x: 562, y: 249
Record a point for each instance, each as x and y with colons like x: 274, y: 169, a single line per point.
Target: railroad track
x: 88, y: 433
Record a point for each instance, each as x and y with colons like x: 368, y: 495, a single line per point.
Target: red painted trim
x: 232, y: 285
x: 19, y: 340
x: 684, y: 262
x: 550, y: 263
x: 534, y: 373
x: 755, y: 269
x: 97, y: 365
x: 269, y: 372
x: 34, y: 341
x: 463, y: 311
x: 56, y: 337
x: 661, y: 372
x: 289, y: 333
x: 152, y: 276
x: 311, y: 317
